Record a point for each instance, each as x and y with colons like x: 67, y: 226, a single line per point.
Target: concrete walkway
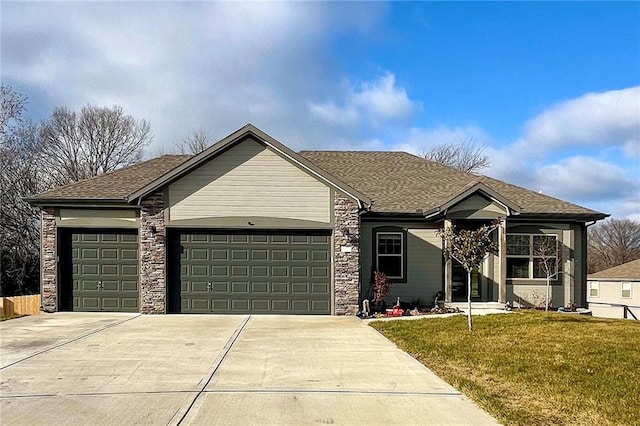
x: 192, y: 369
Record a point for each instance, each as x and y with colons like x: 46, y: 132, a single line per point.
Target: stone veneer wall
x: 152, y: 255
x: 347, y: 264
x: 48, y: 256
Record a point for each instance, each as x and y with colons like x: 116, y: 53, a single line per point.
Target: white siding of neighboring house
x: 611, y: 292
x: 249, y: 180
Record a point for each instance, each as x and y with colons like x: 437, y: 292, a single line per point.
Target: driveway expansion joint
x: 216, y: 365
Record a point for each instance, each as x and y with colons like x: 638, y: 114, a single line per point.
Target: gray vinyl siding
x: 476, y: 207
x: 249, y: 180
x: 532, y: 291
x: 424, y: 271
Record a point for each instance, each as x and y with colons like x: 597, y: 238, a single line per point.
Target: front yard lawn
x: 529, y: 367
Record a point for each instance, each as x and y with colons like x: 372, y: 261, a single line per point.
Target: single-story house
x: 615, y: 292
x: 249, y: 226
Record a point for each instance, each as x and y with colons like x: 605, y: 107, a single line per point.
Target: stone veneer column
x: 347, y: 263
x: 152, y: 255
x: 49, y: 265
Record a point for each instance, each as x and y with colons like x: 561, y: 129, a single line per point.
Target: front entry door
x: 459, y: 283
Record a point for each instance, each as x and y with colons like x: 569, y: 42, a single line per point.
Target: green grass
x: 533, y: 368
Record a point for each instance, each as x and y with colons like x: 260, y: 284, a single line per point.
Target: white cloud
x: 594, y: 119
x: 185, y: 66
x: 369, y: 102
x: 382, y: 99
x: 584, y: 178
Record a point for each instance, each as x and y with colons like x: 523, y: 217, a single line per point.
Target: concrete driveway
x: 74, y: 368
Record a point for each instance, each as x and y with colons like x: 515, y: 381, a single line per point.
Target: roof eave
x: 581, y: 217
x: 84, y: 202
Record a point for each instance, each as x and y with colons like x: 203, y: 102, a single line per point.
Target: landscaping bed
x: 533, y: 367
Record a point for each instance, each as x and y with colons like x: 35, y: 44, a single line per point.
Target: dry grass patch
x: 530, y: 367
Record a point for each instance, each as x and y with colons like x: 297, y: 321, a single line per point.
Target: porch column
x: 502, y: 261
x: 447, y: 269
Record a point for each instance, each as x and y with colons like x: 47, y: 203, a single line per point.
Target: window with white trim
x: 389, y: 254
x: 626, y: 290
x: 594, y: 289
x: 525, y: 252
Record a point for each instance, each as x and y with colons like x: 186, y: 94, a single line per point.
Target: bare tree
x: 97, y: 140
x: 612, y: 243
x: 546, y: 252
x: 20, y: 176
x: 467, y: 156
x: 67, y: 147
x: 195, y: 142
x: 12, y: 107
x: 470, y: 247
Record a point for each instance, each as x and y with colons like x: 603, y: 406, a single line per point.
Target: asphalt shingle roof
x: 401, y: 182
x: 397, y: 182
x: 116, y: 185
x: 626, y: 271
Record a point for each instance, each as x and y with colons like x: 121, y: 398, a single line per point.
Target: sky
x: 551, y: 89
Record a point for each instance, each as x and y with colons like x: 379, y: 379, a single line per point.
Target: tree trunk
x: 546, y: 305
x: 469, y: 300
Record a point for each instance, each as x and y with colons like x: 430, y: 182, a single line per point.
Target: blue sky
x: 552, y: 89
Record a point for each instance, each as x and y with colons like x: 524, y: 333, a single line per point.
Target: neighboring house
x: 249, y: 226
x: 615, y: 292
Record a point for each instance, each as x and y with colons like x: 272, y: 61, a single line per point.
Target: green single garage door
x: 258, y: 273
x: 101, y: 271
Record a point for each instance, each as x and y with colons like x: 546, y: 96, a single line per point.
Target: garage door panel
x: 219, y: 271
x: 257, y: 272
x: 240, y: 305
x: 88, y: 269
x: 220, y: 287
x: 220, y: 305
x: 259, y: 239
x: 199, y: 254
x: 260, y: 271
x: 279, y: 271
x: 279, y: 288
x: 259, y: 287
x: 279, y: 255
x: 259, y: 255
x: 280, y: 305
x: 320, y: 272
x: 130, y: 286
x: 102, y: 270
x: 319, y: 288
x: 300, y: 272
x: 320, y: 306
x: 260, y: 305
x: 198, y: 270
x: 239, y: 287
x: 300, y: 305
x: 319, y: 256
x: 300, y: 288
x: 299, y: 255
x: 239, y: 271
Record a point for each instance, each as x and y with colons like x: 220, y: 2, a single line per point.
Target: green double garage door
x: 258, y: 272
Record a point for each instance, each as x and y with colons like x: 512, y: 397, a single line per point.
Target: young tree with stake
x: 546, y: 251
x: 470, y: 247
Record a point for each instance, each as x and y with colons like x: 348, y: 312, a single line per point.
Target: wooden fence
x: 20, y: 305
